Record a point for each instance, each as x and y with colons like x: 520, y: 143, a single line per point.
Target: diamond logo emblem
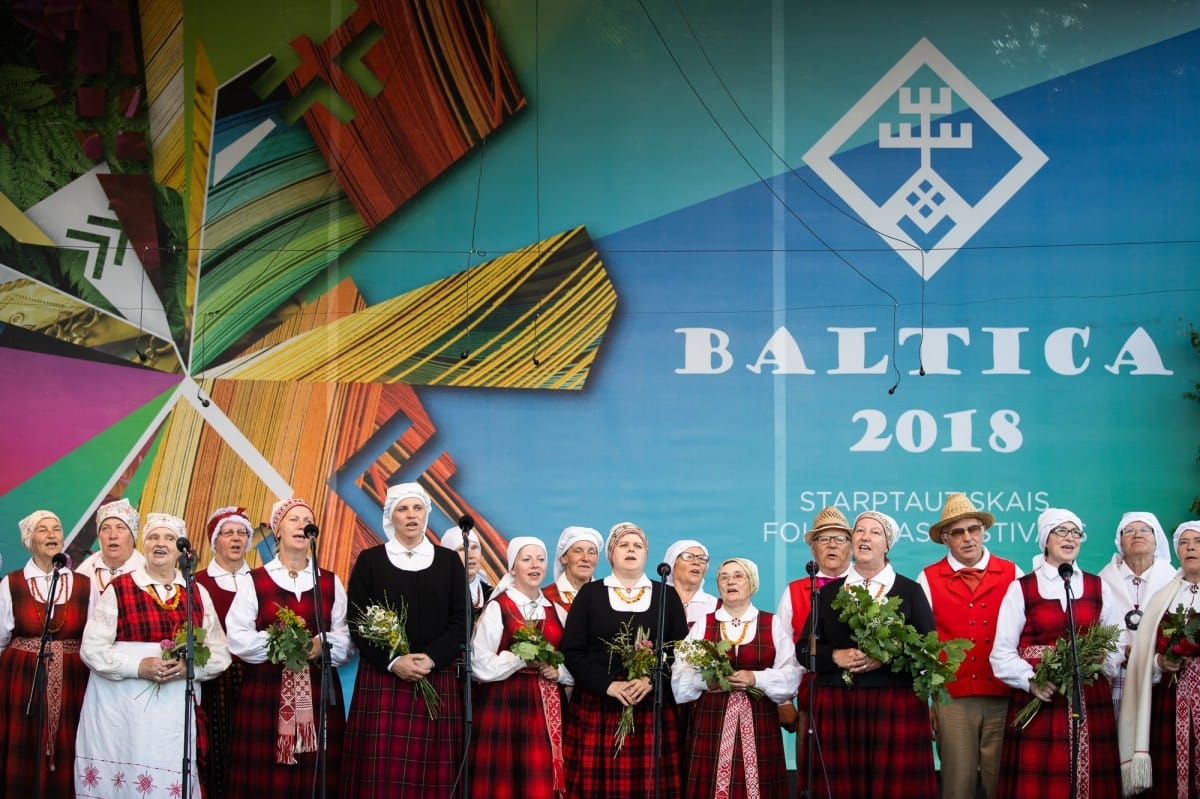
x: 946, y: 159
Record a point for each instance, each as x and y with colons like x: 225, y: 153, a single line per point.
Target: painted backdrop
x: 704, y: 266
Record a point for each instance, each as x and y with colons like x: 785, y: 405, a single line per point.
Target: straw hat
x: 827, y: 521
x: 958, y: 506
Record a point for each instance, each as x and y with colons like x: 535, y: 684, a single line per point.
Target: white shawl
x: 1133, y: 724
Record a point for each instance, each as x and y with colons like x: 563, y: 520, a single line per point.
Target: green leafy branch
x: 881, y: 632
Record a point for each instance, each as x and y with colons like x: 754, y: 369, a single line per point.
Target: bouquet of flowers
x: 175, y: 648
x: 288, y: 640
x: 711, y: 659
x: 1177, y: 636
x: 882, y: 633
x: 388, y: 627
x: 1057, y: 666
x: 530, y: 644
x: 636, y: 651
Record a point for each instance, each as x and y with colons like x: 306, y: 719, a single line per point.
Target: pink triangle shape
x: 52, y: 404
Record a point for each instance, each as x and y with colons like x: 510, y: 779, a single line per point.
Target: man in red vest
x: 829, y: 540
x: 965, y: 590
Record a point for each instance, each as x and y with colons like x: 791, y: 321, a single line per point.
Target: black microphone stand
x: 35, y: 708
x: 466, y: 524
x: 810, y: 731
x: 660, y: 662
x: 1065, y: 570
x: 311, y: 531
x: 187, y: 562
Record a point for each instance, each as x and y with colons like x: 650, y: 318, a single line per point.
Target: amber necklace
x: 737, y: 625
x: 629, y: 597
x: 867, y: 585
x: 172, y: 601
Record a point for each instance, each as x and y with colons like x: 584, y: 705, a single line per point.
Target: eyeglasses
x: 1068, y: 532
x: 688, y: 557
x: 831, y: 539
x: 959, y: 532
x: 1132, y: 531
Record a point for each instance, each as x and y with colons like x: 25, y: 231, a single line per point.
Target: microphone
x: 1065, y: 570
x: 184, y: 545
x: 466, y: 523
x: 60, y: 560
x: 311, y: 531
x: 811, y: 568
x: 664, y: 569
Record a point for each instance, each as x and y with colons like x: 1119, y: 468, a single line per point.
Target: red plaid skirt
x: 1036, y: 761
x: 593, y: 772
x: 872, y: 742
x: 707, y: 722
x: 395, y: 749
x: 511, y: 755
x: 253, y: 772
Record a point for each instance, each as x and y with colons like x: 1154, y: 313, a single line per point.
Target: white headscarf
x: 1194, y: 526
x: 397, y: 493
x: 568, y: 538
x: 514, y: 548
x: 452, y: 538
x: 1051, y: 518
x: 1162, y: 550
x: 673, y: 553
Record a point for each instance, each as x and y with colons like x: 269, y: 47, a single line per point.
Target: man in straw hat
x: 965, y: 589
x: 829, y: 540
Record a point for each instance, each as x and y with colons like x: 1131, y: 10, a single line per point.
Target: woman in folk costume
x: 472, y: 558
x: 40, y: 754
x: 401, y: 746
x: 734, y: 748
x: 688, y: 560
x: 273, y: 750
x: 575, y: 560
x: 1140, y: 567
x: 624, y: 601
x: 117, y: 525
x: 229, y: 531
x: 519, y: 706
x: 880, y: 713
x: 1159, y: 729
x: 131, y: 727
x: 1036, y: 760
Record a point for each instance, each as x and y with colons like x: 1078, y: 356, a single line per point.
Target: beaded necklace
x: 172, y: 601
x: 59, y: 590
x: 736, y: 624
x: 879, y: 593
